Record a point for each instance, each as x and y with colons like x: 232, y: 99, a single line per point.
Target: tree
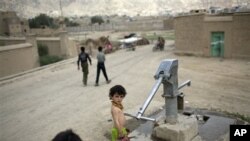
x: 108, y: 21
x: 42, y: 20
x: 70, y: 23
x: 97, y: 19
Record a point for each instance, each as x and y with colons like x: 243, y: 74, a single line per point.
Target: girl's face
x: 117, y: 98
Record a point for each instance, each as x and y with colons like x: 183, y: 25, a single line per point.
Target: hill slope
x: 31, y: 8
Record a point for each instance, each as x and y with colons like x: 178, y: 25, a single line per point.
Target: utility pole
x: 61, y: 19
x: 61, y: 8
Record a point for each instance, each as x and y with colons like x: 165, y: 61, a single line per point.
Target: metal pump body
x: 167, y: 74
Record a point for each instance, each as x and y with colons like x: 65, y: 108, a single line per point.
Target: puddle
x: 212, y: 125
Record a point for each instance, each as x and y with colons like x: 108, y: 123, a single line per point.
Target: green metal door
x: 217, y: 44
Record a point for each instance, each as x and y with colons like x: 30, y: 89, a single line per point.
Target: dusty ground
x: 40, y: 104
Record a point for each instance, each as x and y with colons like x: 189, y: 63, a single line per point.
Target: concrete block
x: 197, y: 138
x: 184, y: 130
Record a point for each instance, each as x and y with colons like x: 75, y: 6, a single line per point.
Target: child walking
x: 101, y: 66
x: 119, y: 132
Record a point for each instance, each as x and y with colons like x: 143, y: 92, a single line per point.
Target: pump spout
x: 188, y: 83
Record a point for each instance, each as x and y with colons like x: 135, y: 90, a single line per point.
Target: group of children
x: 118, y: 132
x: 83, y: 59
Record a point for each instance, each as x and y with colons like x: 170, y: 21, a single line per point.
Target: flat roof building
x: 222, y: 35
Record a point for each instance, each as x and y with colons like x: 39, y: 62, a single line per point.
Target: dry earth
x: 36, y: 106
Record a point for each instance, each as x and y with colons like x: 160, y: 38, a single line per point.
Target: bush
x: 42, y: 50
x: 44, y: 58
x: 47, y: 59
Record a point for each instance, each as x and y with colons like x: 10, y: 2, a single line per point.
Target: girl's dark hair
x: 120, y: 90
x: 67, y: 135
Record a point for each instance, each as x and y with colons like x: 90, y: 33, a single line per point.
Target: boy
x: 101, y: 66
x: 83, y: 58
x: 116, y: 94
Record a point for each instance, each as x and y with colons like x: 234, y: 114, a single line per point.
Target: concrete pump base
x: 186, y: 129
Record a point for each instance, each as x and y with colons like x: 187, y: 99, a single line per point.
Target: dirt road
x: 38, y: 106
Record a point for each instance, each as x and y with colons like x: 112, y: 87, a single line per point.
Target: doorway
x: 217, y: 44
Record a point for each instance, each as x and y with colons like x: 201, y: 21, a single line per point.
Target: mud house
x: 19, y: 44
x: 220, y: 35
x: 168, y: 24
x: 12, y: 25
x: 19, y: 54
x: 19, y: 57
x: 193, y: 11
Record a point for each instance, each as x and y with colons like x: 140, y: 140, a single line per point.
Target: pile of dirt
x: 143, y: 41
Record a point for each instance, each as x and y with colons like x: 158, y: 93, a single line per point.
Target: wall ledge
x: 16, y: 46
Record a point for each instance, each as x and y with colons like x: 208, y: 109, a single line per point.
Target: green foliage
x: 41, y: 21
x: 47, y: 59
x: 70, y: 23
x: 97, y: 19
x: 44, y: 58
x: 2, y: 43
x: 6, y: 34
x: 42, y: 50
x: 166, y: 36
x: 108, y: 21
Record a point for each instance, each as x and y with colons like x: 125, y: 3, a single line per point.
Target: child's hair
x: 120, y: 90
x: 99, y: 48
x: 67, y: 135
x: 82, y: 48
